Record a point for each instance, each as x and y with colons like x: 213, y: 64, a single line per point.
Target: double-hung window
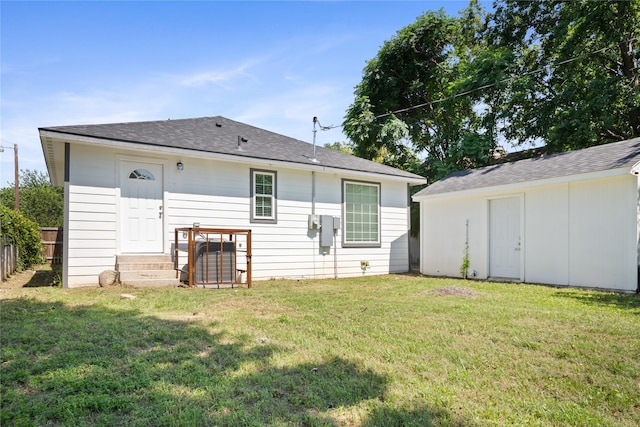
x: 263, y: 196
x: 361, y: 214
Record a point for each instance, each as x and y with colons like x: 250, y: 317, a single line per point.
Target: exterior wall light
x: 180, y: 166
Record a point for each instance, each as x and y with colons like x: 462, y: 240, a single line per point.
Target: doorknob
x: 160, y: 211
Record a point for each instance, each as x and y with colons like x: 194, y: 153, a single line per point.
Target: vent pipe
x: 240, y: 141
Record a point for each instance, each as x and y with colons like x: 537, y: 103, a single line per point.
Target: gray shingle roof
x: 220, y: 135
x: 593, y: 159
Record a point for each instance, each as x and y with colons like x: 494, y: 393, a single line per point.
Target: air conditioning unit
x: 215, y: 262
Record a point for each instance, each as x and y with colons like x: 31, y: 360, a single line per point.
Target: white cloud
x: 221, y: 76
x: 256, y: 91
x: 291, y: 112
x: 21, y: 118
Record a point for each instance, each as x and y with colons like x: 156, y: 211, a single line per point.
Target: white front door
x: 504, y: 238
x: 141, y: 207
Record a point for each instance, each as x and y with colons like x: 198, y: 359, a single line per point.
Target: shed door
x: 504, y: 238
x: 141, y: 207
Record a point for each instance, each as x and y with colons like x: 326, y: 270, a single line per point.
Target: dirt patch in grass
x: 40, y: 275
x: 458, y: 291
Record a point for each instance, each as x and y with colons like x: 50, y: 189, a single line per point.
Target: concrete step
x: 127, y: 259
x: 147, y: 274
x: 151, y: 283
x: 146, y: 270
x: 134, y: 266
x: 143, y: 262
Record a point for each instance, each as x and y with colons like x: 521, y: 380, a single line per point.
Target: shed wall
x: 601, y: 233
x: 546, y: 243
x: 577, y: 233
x: 444, y: 233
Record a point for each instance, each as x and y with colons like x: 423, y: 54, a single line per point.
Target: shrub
x: 24, y: 234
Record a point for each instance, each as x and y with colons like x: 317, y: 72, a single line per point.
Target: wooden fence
x: 8, y: 259
x: 51, y: 249
x: 52, y: 244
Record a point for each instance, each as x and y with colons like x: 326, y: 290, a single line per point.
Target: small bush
x: 23, y: 233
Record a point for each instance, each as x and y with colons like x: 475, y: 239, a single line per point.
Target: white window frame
x: 347, y: 226
x: 273, y: 218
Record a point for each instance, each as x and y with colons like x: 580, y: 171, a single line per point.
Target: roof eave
x: 312, y: 166
x: 523, y: 185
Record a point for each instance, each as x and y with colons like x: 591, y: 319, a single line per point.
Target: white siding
x: 602, y: 223
x: 444, y: 228
x: 219, y: 197
x: 91, y: 227
x: 577, y: 233
x: 546, y: 244
x: 217, y: 194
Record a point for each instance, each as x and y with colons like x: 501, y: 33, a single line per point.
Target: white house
x: 128, y: 186
x: 569, y: 219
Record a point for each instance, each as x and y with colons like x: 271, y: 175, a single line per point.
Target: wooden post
x: 248, y: 258
x: 17, y: 182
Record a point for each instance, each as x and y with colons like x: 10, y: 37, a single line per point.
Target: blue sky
x: 274, y: 65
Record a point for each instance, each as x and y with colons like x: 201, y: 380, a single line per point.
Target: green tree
x: 542, y: 72
x: 24, y: 233
x: 407, y: 105
x: 39, y: 201
x: 343, y: 147
x: 579, y: 68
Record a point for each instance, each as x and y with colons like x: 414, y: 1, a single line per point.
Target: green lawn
x: 377, y: 351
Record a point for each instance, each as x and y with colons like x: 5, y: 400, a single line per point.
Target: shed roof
x: 623, y: 154
x: 220, y: 135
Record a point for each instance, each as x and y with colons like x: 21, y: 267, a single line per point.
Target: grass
x: 378, y: 351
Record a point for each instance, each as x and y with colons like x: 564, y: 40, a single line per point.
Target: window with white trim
x: 263, y: 196
x: 361, y: 214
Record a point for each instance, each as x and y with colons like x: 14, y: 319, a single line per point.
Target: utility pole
x: 17, y: 183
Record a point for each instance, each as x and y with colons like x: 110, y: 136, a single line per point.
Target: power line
x: 487, y: 86
x: 315, y: 120
x: 508, y: 79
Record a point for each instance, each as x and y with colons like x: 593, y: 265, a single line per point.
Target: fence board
x: 52, y: 244
x: 8, y: 259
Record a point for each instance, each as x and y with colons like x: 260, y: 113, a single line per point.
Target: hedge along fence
x: 51, y: 238
x: 24, y: 234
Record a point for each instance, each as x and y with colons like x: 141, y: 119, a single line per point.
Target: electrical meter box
x: 326, y: 230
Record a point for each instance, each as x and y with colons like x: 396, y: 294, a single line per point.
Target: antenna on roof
x: 316, y: 121
x: 313, y: 158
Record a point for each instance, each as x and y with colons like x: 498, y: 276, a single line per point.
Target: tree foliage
x: 416, y: 75
x: 580, y: 70
x: 39, y: 201
x: 23, y: 233
x: 449, y: 90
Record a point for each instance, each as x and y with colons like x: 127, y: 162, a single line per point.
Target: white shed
x: 128, y: 186
x: 570, y: 219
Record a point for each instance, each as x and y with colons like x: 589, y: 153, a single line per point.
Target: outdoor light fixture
x: 180, y: 166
